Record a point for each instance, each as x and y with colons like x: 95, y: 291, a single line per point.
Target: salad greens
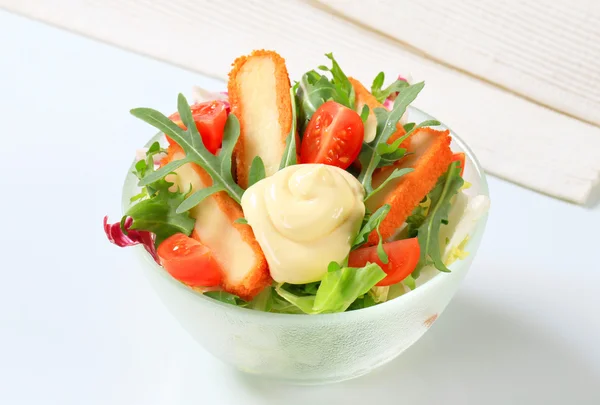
x: 218, y: 167
x: 257, y: 171
x: 428, y: 232
x: 340, y: 287
x: 156, y: 209
x: 164, y: 212
x: 314, y: 89
x: 382, y: 94
x: 386, y: 126
x: 289, y: 154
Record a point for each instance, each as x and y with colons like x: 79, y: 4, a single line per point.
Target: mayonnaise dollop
x: 304, y: 217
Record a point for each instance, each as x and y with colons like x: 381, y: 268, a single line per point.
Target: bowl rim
x: 479, y: 179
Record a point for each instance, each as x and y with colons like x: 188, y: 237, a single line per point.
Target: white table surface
x: 79, y: 323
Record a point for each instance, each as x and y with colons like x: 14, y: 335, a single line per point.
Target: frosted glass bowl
x: 315, y: 349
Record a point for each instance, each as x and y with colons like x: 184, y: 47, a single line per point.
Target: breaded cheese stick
x: 431, y: 158
x: 364, y: 97
x: 259, y: 93
x: 245, y: 271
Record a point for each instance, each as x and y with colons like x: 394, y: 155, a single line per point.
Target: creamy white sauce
x: 304, y: 217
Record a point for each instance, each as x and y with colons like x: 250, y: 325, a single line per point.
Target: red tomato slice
x: 189, y: 261
x: 210, y: 118
x: 460, y: 157
x: 333, y: 136
x: 403, y: 257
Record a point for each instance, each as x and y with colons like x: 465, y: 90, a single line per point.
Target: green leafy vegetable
x: 409, y: 281
x: 304, y: 303
x: 345, y: 90
x: 428, y: 233
x: 315, y: 89
x: 390, y: 153
x: 156, y: 209
x: 218, y: 167
x: 382, y: 94
x: 289, y: 154
x: 379, y: 293
x: 145, y: 166
x: 380, y: 251
x: 370, y: 223
x: 241, y: 221
x: 378, y: 83
x: 417, y: 218
x: 226, y: 297
x: 386, y: 126
x: 365, y: 301
x: 394, y: 175
x: 263, y: 301
x: 158, y: 214
x: 197, y: 197
x: 337, y: 291
x: 257, y: 171
x: 364, y: 114
x: 340, y: 288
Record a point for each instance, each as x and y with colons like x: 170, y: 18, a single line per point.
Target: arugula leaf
x: 364, y: 114
x: 416, y: 219
x: 337, y: 291
x: 382, y: 95
x: 158, y: 215
x: 145, y: 166
x: 409, y: 126
x: 370, y: 223
x: 378, y: 83
x: 380, y: 251
x: 289, y: 154
x: 303, y: 289
x: 315, y: 89
x: 257, y: 171
x: 394, y: 175
x: 197, y: 197
x: 386, y: 126
x: 226, y: 297
x: 384, y: 149
x: 428, y: 233
x: 365, y: 301
x: 218, y: 167
x: 345, y: 90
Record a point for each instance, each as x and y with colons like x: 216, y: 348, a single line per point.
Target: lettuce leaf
x: 338, y: 290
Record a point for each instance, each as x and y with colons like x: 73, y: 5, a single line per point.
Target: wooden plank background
x: 514, y: 138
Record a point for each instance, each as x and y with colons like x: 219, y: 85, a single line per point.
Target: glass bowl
x: 315, y: 349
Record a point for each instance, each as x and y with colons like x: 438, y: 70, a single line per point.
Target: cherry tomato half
x: 210, y: 118
x: 333, y: 136
x: 189, y: 261
x: 403, y: 257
